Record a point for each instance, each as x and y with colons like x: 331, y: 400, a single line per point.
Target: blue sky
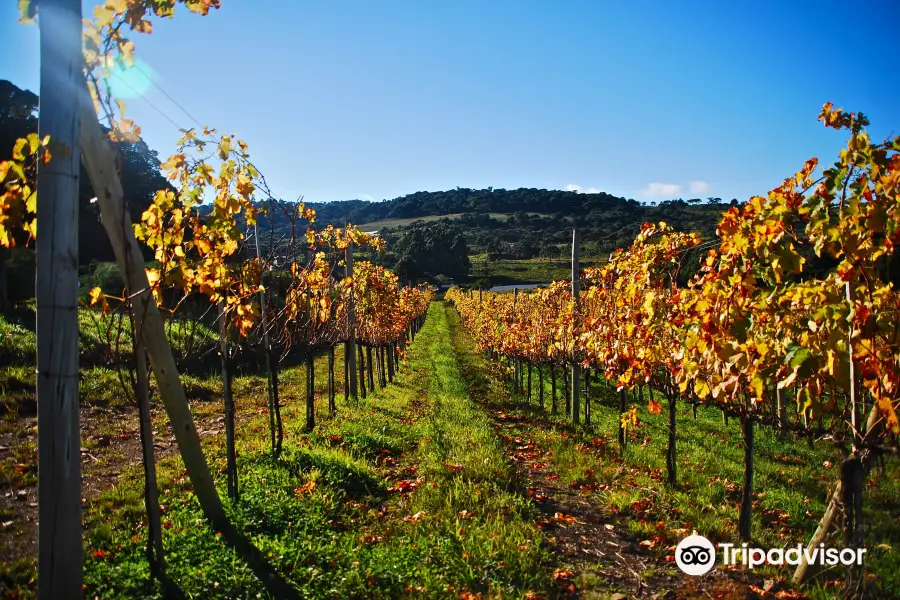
x: 647, y: 100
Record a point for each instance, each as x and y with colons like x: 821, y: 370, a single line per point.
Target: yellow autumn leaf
x: 701, y: 388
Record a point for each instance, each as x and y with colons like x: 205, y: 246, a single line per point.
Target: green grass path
x: 407, y: 494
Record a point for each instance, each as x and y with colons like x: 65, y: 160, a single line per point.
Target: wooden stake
x: 155, y: 555
x: 371, y: 371
x: 271, y: 364
x: 310, y: 391
x: 576, y: 368
x: 350, y: 355
x: 745, y: 521
x: 100, y: 162
x: 59, y: 435
x: 587, y: 397
x: 362, y: 371
x: 553, y: 409
x: 228, y: 398
x: 834, y: 506
x: 332, y: 407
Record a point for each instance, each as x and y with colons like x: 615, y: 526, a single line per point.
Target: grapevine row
x: 791, y: 321
x: 314, y: 303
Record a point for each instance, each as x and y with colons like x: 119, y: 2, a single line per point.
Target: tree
x: 407, y: 268
x: 139, y: 170
x: 18, y: 115
x: 524, y: 249
x: 431, y: 249
x: 18, y: 118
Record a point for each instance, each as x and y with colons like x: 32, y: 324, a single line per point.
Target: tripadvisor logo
x: 696, y: 555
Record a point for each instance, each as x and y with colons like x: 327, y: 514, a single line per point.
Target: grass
x: 792, y: 480
x: 395, y: 223
x: 18, y: 344
x: 405, y: 494
x: 103, y: 338
x: 508, y: 272
x: 409, y: 493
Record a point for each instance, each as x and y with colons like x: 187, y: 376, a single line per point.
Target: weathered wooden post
x: 100, y: 160
x: 587, y: 397
x: 370, y: 369
x: 60, y: 562
x: 516, y: 364
x: 362, y: 370
x: 553, y: 409
x: 155, y: 553
x: 332, y: 407
x: 228, y: 397
x: 271, y: 364
x: 746, y: 511
x: 576, y: 368
x: 350, y: 348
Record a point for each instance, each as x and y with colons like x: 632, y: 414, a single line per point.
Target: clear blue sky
x: 355, y: 99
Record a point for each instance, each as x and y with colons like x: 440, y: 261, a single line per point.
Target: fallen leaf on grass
x: 305, y: 489
x: 403, y: 487
x: 415, y: 517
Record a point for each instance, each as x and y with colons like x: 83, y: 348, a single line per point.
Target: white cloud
x: 366, y: 197
x: 661, y: 189
x: 574, y: 187
x: 700, y: 187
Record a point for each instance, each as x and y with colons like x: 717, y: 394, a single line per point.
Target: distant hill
x: 526, y: 222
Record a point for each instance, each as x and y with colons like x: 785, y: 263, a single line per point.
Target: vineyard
x: 757, y: 334
x: 238, y: 410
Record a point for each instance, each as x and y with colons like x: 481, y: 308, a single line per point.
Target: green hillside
x: 509, y: 236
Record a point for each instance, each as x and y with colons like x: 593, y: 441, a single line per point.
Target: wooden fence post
x: 576, y: 368
x: 99, y: 160
x: 228, y: 397
x: 271, y: 365
x: 332, y: 408
x: 155, y: 553
x: 60, y: 562
x: 350, y: 352
x: 746, y: 510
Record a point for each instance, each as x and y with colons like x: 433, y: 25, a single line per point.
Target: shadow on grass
x: 354, y: 481
x: 274, y: 583
x: 370, y: 446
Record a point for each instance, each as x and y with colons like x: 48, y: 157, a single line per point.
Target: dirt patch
x: 111, y: 446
